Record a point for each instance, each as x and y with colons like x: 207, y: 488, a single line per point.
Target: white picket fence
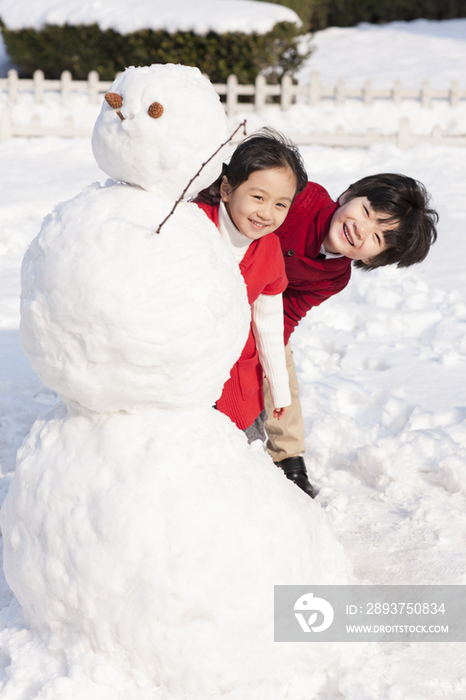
x: 261, y: 94
x: 38, y: 85
x: 314, y: 92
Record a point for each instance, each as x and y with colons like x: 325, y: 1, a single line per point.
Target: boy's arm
x: 292, y: 316
x: 296, y: 303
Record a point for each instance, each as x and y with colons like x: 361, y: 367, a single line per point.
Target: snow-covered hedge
x: 218, y: 36
x: 200, y: 17
x: 81, y: 49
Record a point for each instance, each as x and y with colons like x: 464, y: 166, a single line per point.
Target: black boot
x: 295, y: 470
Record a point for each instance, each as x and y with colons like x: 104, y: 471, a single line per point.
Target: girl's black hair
x: 402, y: 204
x: 262, y: 150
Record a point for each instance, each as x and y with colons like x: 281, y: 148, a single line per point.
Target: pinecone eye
x: 114, y: 100
x: 155, y: 110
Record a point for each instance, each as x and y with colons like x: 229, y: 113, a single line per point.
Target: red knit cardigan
x: 311, y: 278
x: 263, y: 270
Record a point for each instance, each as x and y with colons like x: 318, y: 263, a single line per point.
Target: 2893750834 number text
x: 405, y: 608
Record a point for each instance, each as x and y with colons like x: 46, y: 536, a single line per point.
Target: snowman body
x: 115, y: 315
x: 138, y: 519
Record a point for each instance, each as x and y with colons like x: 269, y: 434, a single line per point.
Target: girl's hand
x: 279, y: 413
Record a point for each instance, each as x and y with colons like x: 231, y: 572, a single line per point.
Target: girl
x: 249, y: 201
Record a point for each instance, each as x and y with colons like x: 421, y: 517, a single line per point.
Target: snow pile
x: 408, y: 51
x: 177, y: 16
x: 139, y: 526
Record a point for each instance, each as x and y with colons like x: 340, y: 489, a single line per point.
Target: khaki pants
x: 285, y: 436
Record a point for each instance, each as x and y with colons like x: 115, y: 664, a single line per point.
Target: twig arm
x: 180, y: 198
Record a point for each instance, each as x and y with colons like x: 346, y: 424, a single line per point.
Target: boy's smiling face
x: 355, y: 231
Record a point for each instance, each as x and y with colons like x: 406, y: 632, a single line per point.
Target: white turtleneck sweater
x: 267, y: 319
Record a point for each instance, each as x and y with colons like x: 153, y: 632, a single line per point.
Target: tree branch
x: 180, y: 198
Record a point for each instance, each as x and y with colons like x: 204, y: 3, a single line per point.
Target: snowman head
x: 157, y: 127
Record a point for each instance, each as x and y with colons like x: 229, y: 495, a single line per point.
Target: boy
x: 379, y: 220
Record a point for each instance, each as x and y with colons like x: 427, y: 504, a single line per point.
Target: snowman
x: 139, y: 524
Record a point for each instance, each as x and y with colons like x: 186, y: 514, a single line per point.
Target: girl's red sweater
x: 263, y: 270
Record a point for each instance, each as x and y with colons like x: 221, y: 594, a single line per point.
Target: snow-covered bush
x: 229, y: 36
x: 81, y: 49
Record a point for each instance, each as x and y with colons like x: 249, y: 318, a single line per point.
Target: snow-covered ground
x: 382, y: 368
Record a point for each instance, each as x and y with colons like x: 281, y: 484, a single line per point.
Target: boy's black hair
x: 402, y: 202
x: 262, y: 150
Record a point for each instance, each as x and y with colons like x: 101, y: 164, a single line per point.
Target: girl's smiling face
x: 260, y: 204
x: 355, y: 230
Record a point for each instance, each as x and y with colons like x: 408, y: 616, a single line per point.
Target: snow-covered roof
x: 124, y: 17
